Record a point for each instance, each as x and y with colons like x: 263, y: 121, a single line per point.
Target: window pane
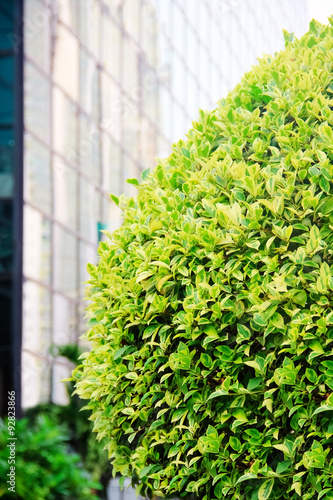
x: 6, y: 89
x: 64, y: 321
x: 131, y: 133
x: 64, y: 125
x: 90, y: 25
x: 37, y: 175
x: 66, y: 62
x: 37, y: 33
x: 147, y: 146
x: 68, y: 12
x: 89, y: 85
x: 89, y: 149
x: 89, y: 211
x: 88, y: 255
x: 65, y: 262
x: 37, y: 246
x: 7, y: 144
x: 37, y: 103
x: 112, y: 166
x: 131, y: 170
x: 112, y: 216
x: 111, y: 47
x: 65, y: 182
x: 6, y: 238
x: 36, y: 366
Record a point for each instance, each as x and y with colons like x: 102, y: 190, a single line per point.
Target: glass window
x: 7, y: 89
x: 37, y: 103
x: 65, y: 181
x: 163, y: 147
x: 131, y: 13
x: 112, y: 216
x: 111, y: 105
x: 7, y: 144
x: 36, y: 366
x: 131, y: 68
x: 150, y: 32
x: 111, y: 47
x: 66, y: 62
x: 7, y: 37
x: 65, y: 262
x: 37, y: 33
x: 89, y: 85
x: 89, y: 211
x: 147, y: 144
x: 36, y: 374
x: 64, y: 320
x: 112, y: 166
x: 131, y: 130
x: 6, y: 236
x: 131, y: 170
x: 90, y: 25
x: 89, y: 149
x: 37, y: 175
x: 88, y: 255
x: 37, y: 246
x: 64, y: 125
x: 68, y: 12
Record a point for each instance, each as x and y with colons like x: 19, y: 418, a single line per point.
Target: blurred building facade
x: 108, y: 86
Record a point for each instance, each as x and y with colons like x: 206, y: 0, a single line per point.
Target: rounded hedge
x: 211, y: 369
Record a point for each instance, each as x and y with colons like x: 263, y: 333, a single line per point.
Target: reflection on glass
x: 37, y: 175
x: 112, y: 216
x: 6, y: 237
x: 131, y: 131
x: 65, y: 262
x: 37, y: 246
x: 89, y: 149
x: 90, y: 25
x: 6, y: 89
x: 68, y: 12
x: 131, y: 170
x: 131, y: 68
x: 35, y: 343
x: 89, y: 85
x: 64, y: 320
x: 112, y: 166
x: 36, y: 103
x: 64, y: 125
x: 66, y: 62
x: 111, y: 46
x: 89, y: 211
x: 147, y: 144
x: 88, y: 254
x: 65, y: 182
x: 7, y: 144
x: 37, y: 30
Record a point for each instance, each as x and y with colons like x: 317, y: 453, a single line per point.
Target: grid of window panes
x: 110, y: 85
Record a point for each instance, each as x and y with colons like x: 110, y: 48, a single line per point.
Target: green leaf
x: 133, y: 181
x: 265, y: 489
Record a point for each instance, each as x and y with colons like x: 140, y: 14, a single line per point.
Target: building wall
x: 11, y: 65
x: 110, y: 85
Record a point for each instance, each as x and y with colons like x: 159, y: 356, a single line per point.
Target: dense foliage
x: 78, y: 426
x: 211, y: 368
x: 44, y: 467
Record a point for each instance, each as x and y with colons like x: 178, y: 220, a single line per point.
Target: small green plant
x: 44, y: 466
x: 211, y: 369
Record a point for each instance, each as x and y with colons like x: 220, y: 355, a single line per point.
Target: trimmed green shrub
x: 211, y: 369
x: 44, y: 466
